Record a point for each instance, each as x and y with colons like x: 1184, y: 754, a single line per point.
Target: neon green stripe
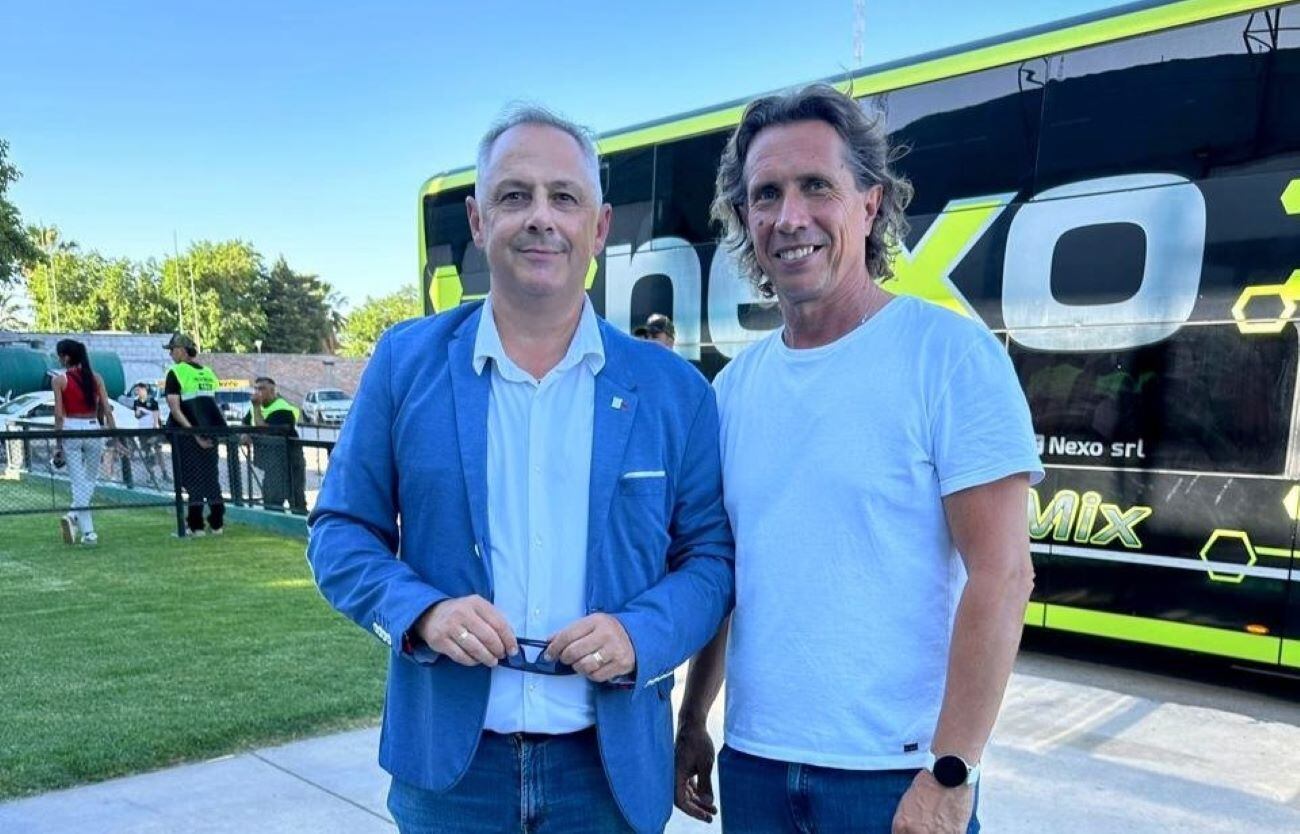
x: 1050, y: 43
x: 1276, y: 551
x: 1256, y: 647
x: 1035, y: 613
x: 691, y: 126
x: 1083, y: 35
x: 443, y: 182
x: 1291, y: 652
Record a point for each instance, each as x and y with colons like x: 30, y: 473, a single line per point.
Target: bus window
x: 970, y: 136
x: 447, y: 239
x: 1208, y: 399
x: 1143, y: 104
x: 684, y: 178
x: 628, y: 183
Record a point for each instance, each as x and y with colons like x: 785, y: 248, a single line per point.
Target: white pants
x: 84, y: 457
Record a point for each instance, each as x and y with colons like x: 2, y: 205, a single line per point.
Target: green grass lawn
x: 149, y: 650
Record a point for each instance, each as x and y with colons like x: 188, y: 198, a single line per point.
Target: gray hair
x: 869, y: 156
x: 535, y: 114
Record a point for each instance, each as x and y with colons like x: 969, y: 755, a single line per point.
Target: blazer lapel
x: 470, y: 394
x: 615, y: 404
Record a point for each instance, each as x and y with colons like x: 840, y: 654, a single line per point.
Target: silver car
x: 325, y: 407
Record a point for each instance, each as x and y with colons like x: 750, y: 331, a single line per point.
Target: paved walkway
x: 1079, y: 747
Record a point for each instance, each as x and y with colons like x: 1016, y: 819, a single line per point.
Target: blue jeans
x: 765, y: 796
x: 518, y: 782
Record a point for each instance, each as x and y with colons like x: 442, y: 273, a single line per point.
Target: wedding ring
x: 464, y: 632
x: 600, y: 661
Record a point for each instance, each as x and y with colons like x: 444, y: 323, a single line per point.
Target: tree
x: 220, y: 287
x: 365, y: 324
x: 299, y: 314
x: 16, y: 249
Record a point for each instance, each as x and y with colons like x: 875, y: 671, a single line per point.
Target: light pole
x: 329, y: 371
x: 261, y: 363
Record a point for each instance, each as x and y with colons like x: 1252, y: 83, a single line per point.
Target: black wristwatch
x: 952, y: 771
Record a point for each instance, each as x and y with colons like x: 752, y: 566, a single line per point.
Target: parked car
x: 325, y: 407
x: 235, y: 404
x: 38, y: 407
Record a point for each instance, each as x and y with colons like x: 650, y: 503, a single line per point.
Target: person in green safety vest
x: 191, y: 390
x: 280, y: 459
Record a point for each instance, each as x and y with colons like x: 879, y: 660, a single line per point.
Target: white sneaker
x: 68, y: 527
x: 195, y: 533
x: 90, y: 539
x: 217, y: 531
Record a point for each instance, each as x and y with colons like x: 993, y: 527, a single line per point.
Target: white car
x: 235, y: 404
x: 38, y: 407
x: 325, y: 407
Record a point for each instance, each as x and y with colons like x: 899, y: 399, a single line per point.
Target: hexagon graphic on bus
x: 1291, y: 197
x: 1284, y: 296
x: 1291, y: 502
x: 1232, y: 546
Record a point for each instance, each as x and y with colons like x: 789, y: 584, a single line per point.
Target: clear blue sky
x: 308, y: 127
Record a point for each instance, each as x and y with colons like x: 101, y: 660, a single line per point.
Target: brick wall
x: 143, y: 358
x: 294, y: 374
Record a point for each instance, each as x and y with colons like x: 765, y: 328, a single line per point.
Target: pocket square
x: 644, y: 473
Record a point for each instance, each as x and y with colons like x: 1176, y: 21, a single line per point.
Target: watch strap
x: 972, y: 771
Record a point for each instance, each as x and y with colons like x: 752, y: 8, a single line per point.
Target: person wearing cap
x: 659, y: 329
x: 191, y: 390
x: 552, y: 488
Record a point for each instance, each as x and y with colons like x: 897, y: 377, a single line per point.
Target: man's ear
x: 475, y: 221
x: 603, y: 218
x: 871, y: 199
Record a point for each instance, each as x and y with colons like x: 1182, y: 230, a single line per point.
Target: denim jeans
x: 765, y: 796
x: 518, y: 783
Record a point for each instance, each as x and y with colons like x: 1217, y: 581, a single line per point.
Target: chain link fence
x: 192, y: 470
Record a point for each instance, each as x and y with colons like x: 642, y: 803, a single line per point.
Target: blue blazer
x: 659, y: 550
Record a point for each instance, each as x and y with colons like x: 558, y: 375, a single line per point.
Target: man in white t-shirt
x: 876, y: 455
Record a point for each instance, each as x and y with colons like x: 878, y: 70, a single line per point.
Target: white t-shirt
x: 835, y: 462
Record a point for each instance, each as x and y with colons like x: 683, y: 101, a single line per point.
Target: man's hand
x: 203, y: 442
x: 597, y: 647
x: 930, y: 808
x: 694, y: 777
x: 469, y: 630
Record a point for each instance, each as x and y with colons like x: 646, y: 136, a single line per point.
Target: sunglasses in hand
x: 541, y: 666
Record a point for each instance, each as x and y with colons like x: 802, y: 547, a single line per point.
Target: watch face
x: 950, y: 771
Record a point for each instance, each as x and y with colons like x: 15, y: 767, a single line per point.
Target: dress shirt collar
x: 587, y: 346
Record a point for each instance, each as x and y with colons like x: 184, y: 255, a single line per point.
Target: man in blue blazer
x: 520, y: 492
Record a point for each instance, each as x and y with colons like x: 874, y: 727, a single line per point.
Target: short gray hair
x: 534, y: 114
x: 869, y: 156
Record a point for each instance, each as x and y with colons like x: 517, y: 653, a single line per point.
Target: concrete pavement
x: 1080, y: 747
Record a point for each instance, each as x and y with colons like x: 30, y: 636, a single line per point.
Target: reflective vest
x: 195, y: 382
x: 281, y: 404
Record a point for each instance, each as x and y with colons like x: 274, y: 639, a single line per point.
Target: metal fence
x: 265, y: 468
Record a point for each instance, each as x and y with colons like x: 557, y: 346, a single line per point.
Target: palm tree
x: 50, y: 241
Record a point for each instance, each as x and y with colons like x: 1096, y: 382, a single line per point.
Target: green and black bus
x: 1118, y: 197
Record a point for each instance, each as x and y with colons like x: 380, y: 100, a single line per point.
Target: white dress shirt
x: 538, y: 480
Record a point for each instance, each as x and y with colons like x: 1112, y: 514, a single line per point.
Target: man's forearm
x: 704, y: 678
x: 986, y: 636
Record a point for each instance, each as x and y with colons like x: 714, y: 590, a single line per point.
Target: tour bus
x: 1118, y: 198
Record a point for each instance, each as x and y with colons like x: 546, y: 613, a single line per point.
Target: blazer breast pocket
x: 649, y: 482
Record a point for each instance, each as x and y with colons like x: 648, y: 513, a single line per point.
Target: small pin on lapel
x: 616, y: 403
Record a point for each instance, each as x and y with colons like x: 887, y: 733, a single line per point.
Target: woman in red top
x: 80, y: 404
